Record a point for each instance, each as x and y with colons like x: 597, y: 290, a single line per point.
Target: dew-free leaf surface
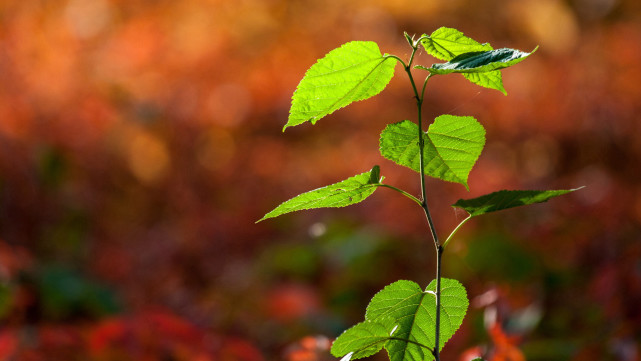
x: 446, y: 43
x: 505, y: 199
x: 480, y: 62
x: 355, y: 71
x: 452, y: 146
x: 350, y: 191
x: 414, y: 311
x: 363, y: 339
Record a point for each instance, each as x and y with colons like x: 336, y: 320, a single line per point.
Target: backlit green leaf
x: 363, y: 339
x: 490, y: 79
x: 350, y: 191
x: 414, y: 311
x: 447, y: 43
x: 504, y: 199
x: 452, y: 146
x: 355, y: 71
x: 480, y: 62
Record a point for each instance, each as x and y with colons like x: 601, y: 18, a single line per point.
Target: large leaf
x: 355, y: 71
x: 504, y: 199
x: 480, y: 62
x: 414, y: 311
x: 363, y: 339
x: 452, y: 145
x: 447, y: 43
x: 350, y: 191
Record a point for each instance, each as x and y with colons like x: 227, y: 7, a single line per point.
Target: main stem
x: 421, y: 145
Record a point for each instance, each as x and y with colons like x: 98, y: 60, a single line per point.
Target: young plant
x: 411, y: 322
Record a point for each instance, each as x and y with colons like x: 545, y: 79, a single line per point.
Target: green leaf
x: 414, y: 311
x: 363, y: 339
x: 447, y: 43
x: 480, y: 62
x: 452, y: 146
x: 504, y: 199
x: 355, y: 71
x: 490, y: 79
x: 350, y: 191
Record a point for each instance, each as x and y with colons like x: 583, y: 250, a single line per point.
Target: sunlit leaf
x: 446, y: 43
x: 504, y: 199
x: 363, y: 339
x: 350, y: 191
x: 480, y: 62
x: 452, y: 146
x: 355, y: 71
x: 414, y: 311
x: 490, y: 79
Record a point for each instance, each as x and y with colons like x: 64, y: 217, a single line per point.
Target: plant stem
x: 439, y: 255
x: 428, y: 216
x: 455, y: 230
x: 401, y: 192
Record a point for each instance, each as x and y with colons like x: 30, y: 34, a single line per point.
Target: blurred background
x: 140, y: 141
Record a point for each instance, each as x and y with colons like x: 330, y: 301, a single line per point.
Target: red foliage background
x: 140, y: 140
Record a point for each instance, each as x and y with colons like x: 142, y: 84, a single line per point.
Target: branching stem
x: 421, y: 145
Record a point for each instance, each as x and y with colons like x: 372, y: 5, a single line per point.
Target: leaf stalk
x: 416, y: 200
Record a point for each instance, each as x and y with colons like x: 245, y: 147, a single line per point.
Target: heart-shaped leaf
x: 363, y: 339
x: 414, y: 311
x: 452, y: 145
x: 355, y: 71
x: 350, y: 191
x: 446, y: 43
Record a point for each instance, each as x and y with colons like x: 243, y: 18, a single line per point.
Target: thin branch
x: 402, y: 192
x: 455, y: 230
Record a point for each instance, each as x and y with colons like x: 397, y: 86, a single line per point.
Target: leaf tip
x: 264, y: 218
x: 409, y: 39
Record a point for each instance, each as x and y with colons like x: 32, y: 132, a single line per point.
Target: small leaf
x: 452, y: 146
x: 447, y: 43
x: 363, y: 339
x: 504, y: 199
x: 350, y: 191
x: 414, y: 310
x: 355, y: 71
x: 480, y: 62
